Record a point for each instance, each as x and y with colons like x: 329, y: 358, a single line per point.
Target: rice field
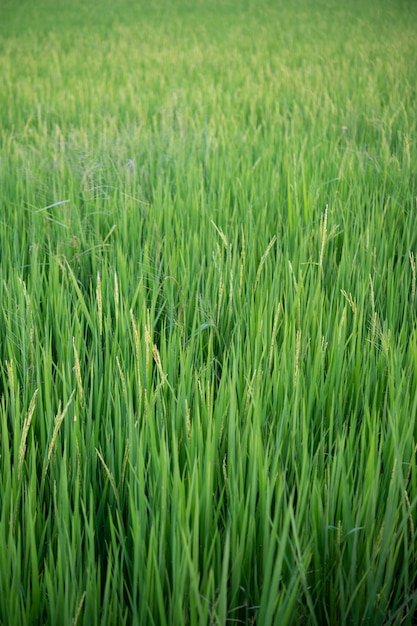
x: 208, y: 312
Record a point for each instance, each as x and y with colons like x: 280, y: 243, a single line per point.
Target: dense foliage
x: 208, y: 339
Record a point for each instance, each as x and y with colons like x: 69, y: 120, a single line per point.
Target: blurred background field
x: 208, y: 340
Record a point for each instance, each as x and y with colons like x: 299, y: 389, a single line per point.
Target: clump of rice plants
x: 208, y: 338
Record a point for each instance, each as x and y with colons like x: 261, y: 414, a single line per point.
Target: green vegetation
x: 208, y: 337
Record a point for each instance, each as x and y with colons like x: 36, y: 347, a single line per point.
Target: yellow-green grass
x: 208, y: 340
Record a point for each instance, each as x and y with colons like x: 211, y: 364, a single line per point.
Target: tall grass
x: 208, y: 340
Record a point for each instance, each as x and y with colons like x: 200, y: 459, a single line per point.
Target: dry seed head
x: 374, y: 319
x: 109, y: 476
x: 122, y: 378
x: 373, y: 327
x: 262, y: 261
x: 58, y: 421
x: 145, y: 404
x: 221, y: 432
x: 407, y: 143
x: 200, y: 389
x: 341, y: 171
x: 242, y: 263
x: 226, y: 478
x: 249, y: 393
x: 26, y: 426
x: 10, y: 377
x: 219, y: 303
x: 25, y: 292
x: 231, y: 293
x: 323, y: 229
x: 148, y: 340
x: 79, y: 466
x: 99, y: 304
x: 140, y: 393
x: 77, y: 370
x: 125, y: 460
x: 371, y: 284
x: 297, y: 355
x: 274, y: 333
x: 208, y: 399
x: 293, y: 276
x: 116, y: 295
x: 260, y: 326
x: 187, y: 420
x: 413, y: 279
x: 385, y: 338
x: 350, y: 300
x: 135, y: 335
x: 222, y: 235
x: 157, y: 358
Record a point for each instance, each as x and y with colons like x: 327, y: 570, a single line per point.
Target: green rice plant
x: 208, y: 343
